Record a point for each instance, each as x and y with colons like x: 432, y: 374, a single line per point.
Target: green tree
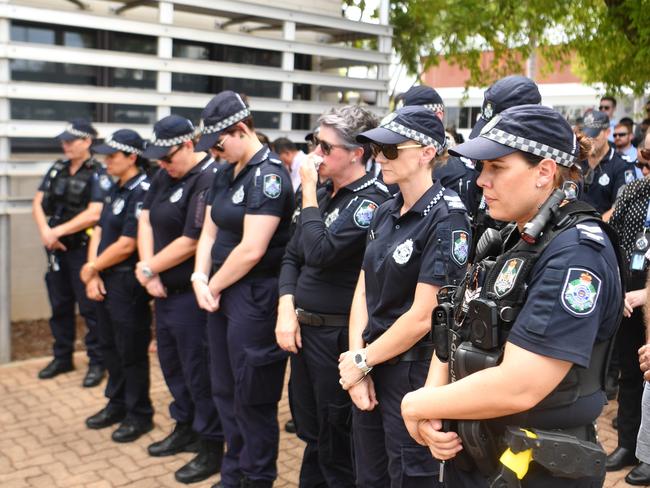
x: 606, y: 41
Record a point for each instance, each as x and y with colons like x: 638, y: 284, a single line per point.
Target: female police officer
x: 168, y: 231
x: 319, y: 271
x: 124, y: 317
x: 251, y: 203
x: 544, y: 311
x: 417, y: 243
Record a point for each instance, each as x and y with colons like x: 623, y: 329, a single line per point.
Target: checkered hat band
x: 78, y: 133
x: 415, y: 135
x: 529, y: 146
x: 174, y: 141
x: 436, y: 107
x: 227, y: 122
x: 122, y: 147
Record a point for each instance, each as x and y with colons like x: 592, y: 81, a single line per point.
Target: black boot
x: 206, y: 463
x: 94, y: 375
x: 620, y: 458
x: 55, y: 368
x: 181, y: 437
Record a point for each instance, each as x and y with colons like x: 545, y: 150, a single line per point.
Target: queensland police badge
x: 363, y: 214
x: 272, y: 186
x: 580, y: 292
x: 402, y: 253
x: 459, y: 246
x: 507, y: 276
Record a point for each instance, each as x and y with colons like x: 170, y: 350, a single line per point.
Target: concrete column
x: 165, y: 49
x: 288, y: 34
x: 5, y: 222
x: 385, y: 45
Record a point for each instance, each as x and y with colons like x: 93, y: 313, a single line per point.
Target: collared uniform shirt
x: 603, y: 184
x: 322, y: 261
x: 459, y: 175
x: 298, y: 159
x: 176, y: 208
x: 428, y: 244
x: 121, y: 212
x: 262, y: 187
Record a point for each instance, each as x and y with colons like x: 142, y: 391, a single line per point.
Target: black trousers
x: 65, y: 289
x: 124, y: 334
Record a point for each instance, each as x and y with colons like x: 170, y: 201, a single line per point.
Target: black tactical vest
x: 65, y: 195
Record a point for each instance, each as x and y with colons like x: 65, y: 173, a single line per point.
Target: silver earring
x: 538, y: 185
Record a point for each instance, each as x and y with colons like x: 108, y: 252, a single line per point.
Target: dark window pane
x: 32, y: 33
x: 51, y: 110
x: 136, y: 78
x: 301, y: 92
x: 193, y: 51
x: 74, y: 74
x: 191, y: 113
x: 451, y: 116
x: 251, y: 88
x: 266, y: 120
x: 191, y: 83
x: 302, y: 62
x: 132, y: 114
x: 132, y: 43
x: 85, y: 39
x: 246, y: 55
x: 34, y: 145
x: 301, y: 122
x: 476, y: 112
x: 463, y: 118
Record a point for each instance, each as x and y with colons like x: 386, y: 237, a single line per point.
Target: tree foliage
x: 607, y: 41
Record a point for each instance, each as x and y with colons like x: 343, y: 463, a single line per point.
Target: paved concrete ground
x: 44, y: 443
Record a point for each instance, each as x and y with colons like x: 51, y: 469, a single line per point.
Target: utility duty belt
x: 322, y: 319
x: 419, y: 352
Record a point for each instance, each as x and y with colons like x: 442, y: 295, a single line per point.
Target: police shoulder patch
x: 105, y: 182
x: 580, y: 292
x: 460, y: 247
x: 507, y: 276
x: 364, y: 213
x: 272, y: 186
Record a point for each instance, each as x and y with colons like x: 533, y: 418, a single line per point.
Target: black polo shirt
x: 322, y: 261
x: 120, y: 214
x: 263, y: 187
x: 176, y: 208
x: 601, y: 185
x: 459, y: 175
x: 428, y: 244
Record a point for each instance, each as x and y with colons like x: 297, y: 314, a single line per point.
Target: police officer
x: 604, y: 171
x: 243, y: 239
x: 454, y: 173
x: 319, y: 271
x: 542, y: 314
x: 417, y: 243
x: 169, y: 228
x: 68, y: 203
x: 124, y: 316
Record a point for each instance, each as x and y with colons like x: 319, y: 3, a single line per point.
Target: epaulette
x: 137, y: 182
x: 591, y: 233
x: 275, y: 161
x: 381, y: 186
x: 454, y: 202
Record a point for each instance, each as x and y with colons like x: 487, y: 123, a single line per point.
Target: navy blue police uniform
x: 559, y: 296
x: 65, y: 196
x: 176, y: 208
x: 320, y: 268
x: 603, y: 184
x: 247, y: 366
x: 124, y: 317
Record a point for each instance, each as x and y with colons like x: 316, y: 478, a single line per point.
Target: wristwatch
x: 197, y: 276
x: 360, y: 361
x: 146, y: 271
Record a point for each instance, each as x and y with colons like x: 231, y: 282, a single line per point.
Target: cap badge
x: 488, y: 111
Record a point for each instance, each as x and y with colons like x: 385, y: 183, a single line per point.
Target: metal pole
x: 5, y: 220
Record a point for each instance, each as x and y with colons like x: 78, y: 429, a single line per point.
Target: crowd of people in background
x: 334, y: 252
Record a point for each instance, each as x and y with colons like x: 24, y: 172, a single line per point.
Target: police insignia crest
x: 507, y: 276
x: 105, y: 182
x: 238, y: 196
x: 580, y: 292
x: 488, y: 111
x: 118, y: 206
x: 331, y: 217
x: 460, y: 247
x: 272, y: 186
x: 402, y: 253
x: 176, y: 196
x: 603, y: 180
x: 364, y: 213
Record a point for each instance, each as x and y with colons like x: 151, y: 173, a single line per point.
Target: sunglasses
x: 219, y: 144
x: 621, y: 134
x: 167, y: 159
x: 605, y: 107
x: 390, y: 151
x: 326, y: 147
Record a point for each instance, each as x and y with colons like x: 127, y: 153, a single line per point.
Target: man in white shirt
x: 291, y: 157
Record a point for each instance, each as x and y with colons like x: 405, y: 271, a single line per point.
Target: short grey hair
x: 349, y: 121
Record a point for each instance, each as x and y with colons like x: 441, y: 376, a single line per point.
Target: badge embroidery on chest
x: 272, y: 186
x: 364, y: 213
x: 176, y: 196
x: 507, y: 276
x: 118, y: 206
x: 580, y: 292
x: 403, y: 252
x: 460, y: 247
x: 331, y: 217
x: 603, y: 180
x: 238, y: 196
x: 105, y: 182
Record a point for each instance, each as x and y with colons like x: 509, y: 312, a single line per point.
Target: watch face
x: 358, y: 358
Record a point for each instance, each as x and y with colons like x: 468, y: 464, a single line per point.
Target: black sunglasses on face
x: 604, y: 107
x: 326, y: 147
x: 167, y: 159
x: 390, y: 151
x: 219, y: 144
x: 621, y: 134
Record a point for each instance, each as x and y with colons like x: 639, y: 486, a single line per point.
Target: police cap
x: 78, y: 129
x: 533, y: 129
x: 125, y: 140
x: 168, y: 132
x: 594, y: 123
x: 415, y: 123
x: 422, y: 95
x: 223, y: 111
x: 505, y: 93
